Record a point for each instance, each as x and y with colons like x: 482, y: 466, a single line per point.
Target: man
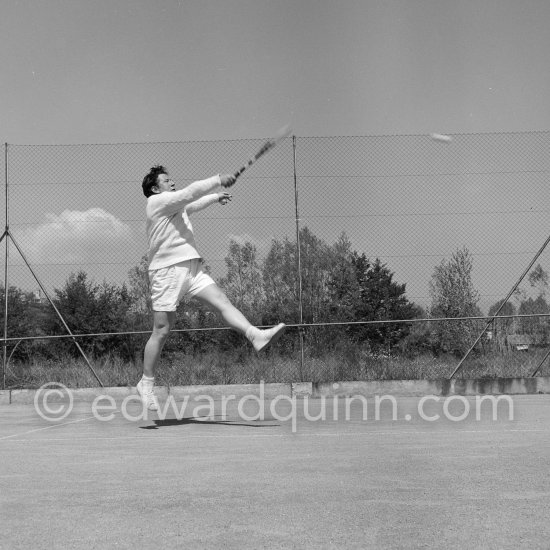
x: 175, y: 268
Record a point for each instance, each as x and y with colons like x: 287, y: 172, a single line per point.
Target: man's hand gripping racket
x: 270, y: 144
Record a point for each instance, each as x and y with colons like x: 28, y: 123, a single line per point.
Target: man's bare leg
x: 162, y: 324
x: 214, y: 297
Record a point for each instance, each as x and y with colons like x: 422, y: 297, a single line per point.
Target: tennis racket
x: 266, y: 147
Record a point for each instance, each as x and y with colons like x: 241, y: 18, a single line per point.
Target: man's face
x: 164, y: 183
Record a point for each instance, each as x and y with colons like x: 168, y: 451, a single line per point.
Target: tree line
x: 337, y: 285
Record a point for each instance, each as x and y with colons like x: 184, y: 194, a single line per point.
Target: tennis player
x: 175, y: 266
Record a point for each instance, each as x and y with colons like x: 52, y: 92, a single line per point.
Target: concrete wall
x: 443, y: 387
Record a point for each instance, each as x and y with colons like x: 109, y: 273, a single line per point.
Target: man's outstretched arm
x: 176, y: 201
x: 208, y: 200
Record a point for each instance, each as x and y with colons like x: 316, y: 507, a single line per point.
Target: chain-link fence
x: 337, y: 236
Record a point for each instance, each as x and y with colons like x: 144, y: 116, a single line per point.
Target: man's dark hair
x: 150, y: 180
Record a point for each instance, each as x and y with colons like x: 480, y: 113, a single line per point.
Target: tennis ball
x: 441, y: 137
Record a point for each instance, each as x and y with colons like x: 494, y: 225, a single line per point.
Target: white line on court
x: 45, y: 428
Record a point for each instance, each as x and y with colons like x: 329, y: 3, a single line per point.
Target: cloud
x: 78, y: 237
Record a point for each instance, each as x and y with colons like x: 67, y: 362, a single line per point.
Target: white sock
x: 148, y: 381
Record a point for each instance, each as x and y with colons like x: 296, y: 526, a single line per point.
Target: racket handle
x: 239, y: 172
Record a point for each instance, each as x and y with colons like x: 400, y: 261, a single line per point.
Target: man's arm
x: 206, y: 201
x: 176, y: 201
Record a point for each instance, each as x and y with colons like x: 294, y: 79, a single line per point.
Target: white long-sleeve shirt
x: 169, y: 230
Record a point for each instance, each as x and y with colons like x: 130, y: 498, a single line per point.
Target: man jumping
x: 175, y: 267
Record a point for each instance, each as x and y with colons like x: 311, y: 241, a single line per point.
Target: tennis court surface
x: 289, y: 479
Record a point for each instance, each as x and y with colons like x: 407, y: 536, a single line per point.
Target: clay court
x: 222, y: 480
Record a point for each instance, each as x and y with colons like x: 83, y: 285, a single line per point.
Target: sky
x: 139, y: 72
x: 102, y: 71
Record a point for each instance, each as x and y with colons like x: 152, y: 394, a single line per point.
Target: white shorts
x: 170, y: 284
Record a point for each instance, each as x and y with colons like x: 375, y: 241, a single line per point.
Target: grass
x: 178, y: 369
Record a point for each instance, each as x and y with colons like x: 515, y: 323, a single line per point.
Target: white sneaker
x: 268, y: 336
x: 148, y: 398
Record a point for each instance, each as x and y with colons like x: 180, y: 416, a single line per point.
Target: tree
x: 243, y: 282
x: 21, y: 318
x: 282, y: 282
x: 536, y: 327
x: 343, y: 282
x: 538, y: 278
x: 26, y: 317
x: 502, y: 327
x: 90, y: 308
x: 140, y: 294
x: 338, y: 285
x: 380, y: 299
x: 507, y: 309
x: 453, y: 295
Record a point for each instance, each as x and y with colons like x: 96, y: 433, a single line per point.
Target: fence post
x: 299, y: 261
x: 5, y: 236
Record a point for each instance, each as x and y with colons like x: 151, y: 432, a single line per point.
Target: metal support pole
x: 57, y: 311
x: 6, y: 282
x: 299, y: 261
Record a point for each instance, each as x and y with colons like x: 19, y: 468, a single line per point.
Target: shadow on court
x: 192, y: 420
x: 334, y: 476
